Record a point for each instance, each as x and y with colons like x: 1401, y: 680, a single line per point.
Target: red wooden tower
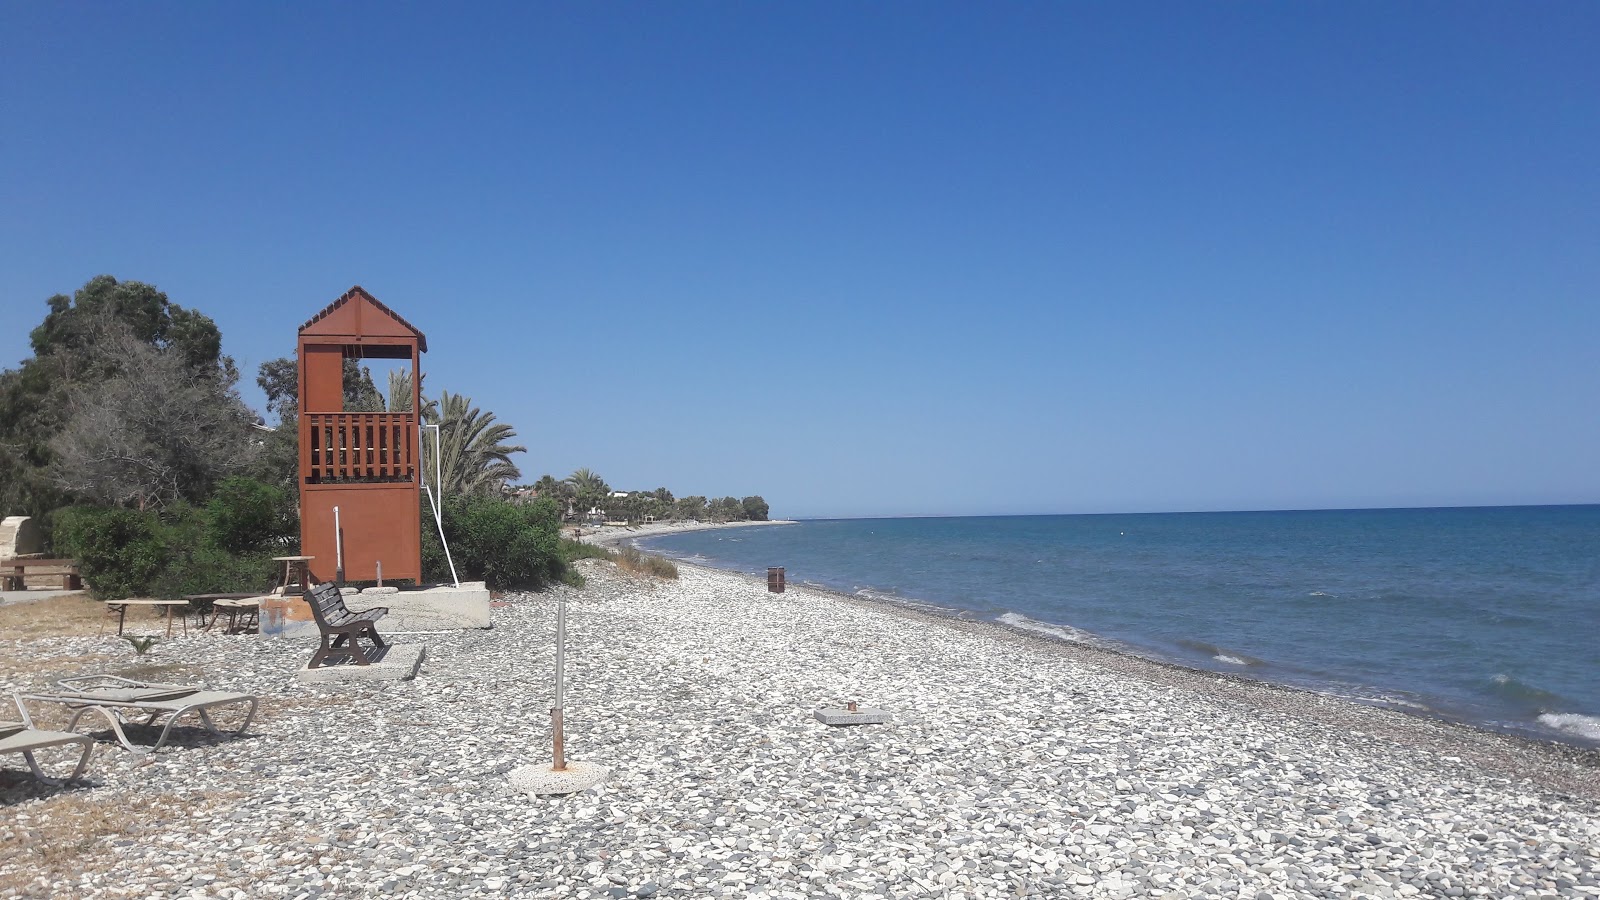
x: 364, y: 463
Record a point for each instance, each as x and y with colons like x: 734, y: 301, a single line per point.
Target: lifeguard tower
x: 365, y: 465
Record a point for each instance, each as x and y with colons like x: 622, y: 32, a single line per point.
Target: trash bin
x: 775, y: 579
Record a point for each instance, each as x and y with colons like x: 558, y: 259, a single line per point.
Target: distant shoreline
x: 615, y: 536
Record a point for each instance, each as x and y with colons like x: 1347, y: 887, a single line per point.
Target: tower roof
x: 358, y: 314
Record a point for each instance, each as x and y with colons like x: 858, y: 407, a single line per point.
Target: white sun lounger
x: 22, y: 737
x: 109, y: 695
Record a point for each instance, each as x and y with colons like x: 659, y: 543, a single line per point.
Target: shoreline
x: 612, y: 537
x: 1572, y: 764
x: 1553, y: 764
x: 1575, y: 747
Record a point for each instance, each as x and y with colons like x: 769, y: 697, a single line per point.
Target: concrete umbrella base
x: 541, y: 779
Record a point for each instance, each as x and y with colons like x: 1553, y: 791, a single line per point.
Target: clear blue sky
x: 887, y: 258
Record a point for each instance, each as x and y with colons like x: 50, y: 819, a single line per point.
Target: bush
x: 512, y: 546
x: 572, y: 551
x: 225, y: 547
x: 245, y: 515
x: 120, y: 552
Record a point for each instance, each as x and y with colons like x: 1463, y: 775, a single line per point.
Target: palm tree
x: 589, y: 489
x: 473, y: 455
x: 588, y: 482
x: 400, y: 394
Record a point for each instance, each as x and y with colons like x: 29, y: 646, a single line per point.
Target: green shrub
x: 244, y: 515
x: 572, y: 551
x: 512, y: 546
x: 120, y: 552
x: 225, y: 547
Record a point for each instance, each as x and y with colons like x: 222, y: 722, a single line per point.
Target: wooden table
x: 120, y: 607
x: 294, y: 572
x: 236, y: 608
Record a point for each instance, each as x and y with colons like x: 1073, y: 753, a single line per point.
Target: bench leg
x: 321, y: 655
x: 357, y: 653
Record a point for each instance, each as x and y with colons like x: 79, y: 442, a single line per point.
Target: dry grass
x: 70, y: 832
x: 639, y: 563
x: 71, y: 615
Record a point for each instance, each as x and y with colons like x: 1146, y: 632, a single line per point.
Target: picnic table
x: 235, y: 606
x: 120, y: 609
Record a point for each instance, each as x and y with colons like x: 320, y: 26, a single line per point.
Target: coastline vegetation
x: 584, y: 497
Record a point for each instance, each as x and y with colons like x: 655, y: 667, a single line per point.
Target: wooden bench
x: 12, y: 572
x: 337, y: 622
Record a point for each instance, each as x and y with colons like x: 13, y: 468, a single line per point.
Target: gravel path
x: 1015, y: 767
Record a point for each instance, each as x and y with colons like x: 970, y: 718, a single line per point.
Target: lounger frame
x: 77, y: 694
x: 30, y: 739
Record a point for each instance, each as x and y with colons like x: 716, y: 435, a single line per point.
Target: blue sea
x: 1484, y: 615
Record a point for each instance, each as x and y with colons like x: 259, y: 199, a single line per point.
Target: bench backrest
x: 326, y: 603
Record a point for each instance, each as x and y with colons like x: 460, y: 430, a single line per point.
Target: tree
x: 279, y: 379
x: 588, y: 483
x: 360, y: 394
x: 155, y: 432
x: 589, y: 490
x: 690, y: 507
x: 473, y: 456
x: 71, y: 360
x: 755, y: 508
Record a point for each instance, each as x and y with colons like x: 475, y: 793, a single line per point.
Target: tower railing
x: 361, y: 446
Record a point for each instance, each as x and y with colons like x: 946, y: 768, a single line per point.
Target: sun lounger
x: 110, y: 695
x: 22, y: 737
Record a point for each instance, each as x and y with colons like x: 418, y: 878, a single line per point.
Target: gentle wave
x: 1573, y: 723
x: 1530, y: 697
x: 1063, y: 632
x: 1220, y: 654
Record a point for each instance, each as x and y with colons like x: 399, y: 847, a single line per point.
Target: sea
x: 1489, y: 616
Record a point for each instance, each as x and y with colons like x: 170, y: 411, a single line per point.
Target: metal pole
x: 338, y: 550
x: 434, y: 503
x: 559, y: 750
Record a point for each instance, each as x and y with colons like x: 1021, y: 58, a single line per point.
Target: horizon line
x: 1189, y: 512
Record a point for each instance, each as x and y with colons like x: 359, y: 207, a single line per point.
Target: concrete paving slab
x: 541, y: 779
x: 399, y: 662
x: 30, y: 596
x: 861, y: 716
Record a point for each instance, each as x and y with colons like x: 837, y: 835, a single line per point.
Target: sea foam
x: 1573, y: 723
x: 1063, y: 632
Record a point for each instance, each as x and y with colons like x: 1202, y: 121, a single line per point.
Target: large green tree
x: 117, y: 347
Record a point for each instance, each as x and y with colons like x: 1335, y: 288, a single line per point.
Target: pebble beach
x: 1014, y: 766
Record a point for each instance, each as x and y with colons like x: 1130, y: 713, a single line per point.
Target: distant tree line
x: 584, y: 495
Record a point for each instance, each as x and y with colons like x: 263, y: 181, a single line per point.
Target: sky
x: 898, y: 258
